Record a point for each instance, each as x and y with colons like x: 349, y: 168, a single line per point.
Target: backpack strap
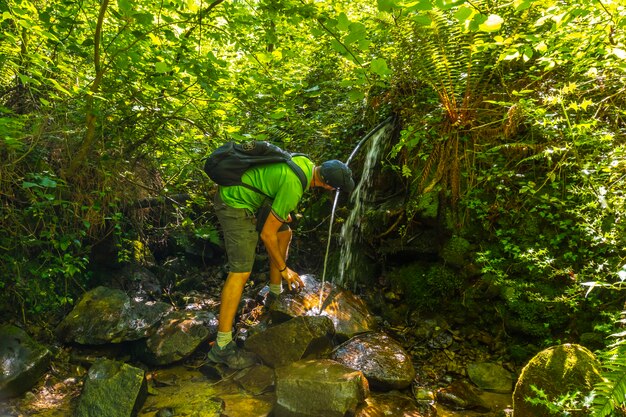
x: 299, y: 172
x: 294, y: 167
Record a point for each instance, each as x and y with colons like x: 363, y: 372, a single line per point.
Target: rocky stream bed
x: 416, y: 366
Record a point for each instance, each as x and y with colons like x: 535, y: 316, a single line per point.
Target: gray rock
x: 348, y: 312
x: 290, y: 341
x: 106, y: 315
x: 178, y: 336
x: 22, y: 361
x: 556, y: 371
x: 490, y: 377
x: 318, y: 388
x: 112, y: 389
x: 384, y: 362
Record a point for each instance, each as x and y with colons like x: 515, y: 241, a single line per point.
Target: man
x: 235, y: 207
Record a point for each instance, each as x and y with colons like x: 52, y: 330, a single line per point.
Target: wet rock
x: 556, y: 371
x: 490, y: 377
x: 183, y: 391
x: 385, y: 364
x: 461, y: 395
x: 112, y: 389
x: 389, y: 404
x: 22, y: 361
x: 318, y: 388
x: 106, y: 315
x: 348, y: 312
x: 178, y: 336
x: 257, y: 379
x: 245, y: 405
x: 290, y: 341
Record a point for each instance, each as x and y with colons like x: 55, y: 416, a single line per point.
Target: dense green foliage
x: 511, y: 113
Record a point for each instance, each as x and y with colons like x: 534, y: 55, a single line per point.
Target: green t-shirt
x: 277, y: 181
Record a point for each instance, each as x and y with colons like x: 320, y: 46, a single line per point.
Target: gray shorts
x: 240, y: 235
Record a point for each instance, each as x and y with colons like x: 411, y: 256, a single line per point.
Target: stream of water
x: 358, y: 197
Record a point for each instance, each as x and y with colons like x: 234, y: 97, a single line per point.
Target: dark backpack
x: 227, y: 164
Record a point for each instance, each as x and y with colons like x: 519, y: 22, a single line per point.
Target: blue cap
x: 337, y: 174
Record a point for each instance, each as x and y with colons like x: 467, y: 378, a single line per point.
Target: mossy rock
x: 456, y: 251
x: 556, y: 371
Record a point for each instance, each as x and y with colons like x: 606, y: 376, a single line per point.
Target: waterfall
x: 350, y: 233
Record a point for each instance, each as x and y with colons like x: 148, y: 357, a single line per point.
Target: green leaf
x: 355, y: 95
x: 124, y: 6
x: 463, y: 13
x: 379, y: 66
x: 343, y: 23
x: 161, y: 67
x: 385, y: 5
x: 28, y: 184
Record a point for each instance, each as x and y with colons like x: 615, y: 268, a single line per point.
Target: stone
x: 385, y: 364
x: 556, y: 371
x: 490, y: 377
x: 348, y: 312
x: 461, y: 395
x: 112, y: 389
x: 178, y: 336
x: 389, y: 404
x: 257, y: 379
x: 322, y: 387
x: 288, y: 342
x: 22, y: 361
x: 105, y: 315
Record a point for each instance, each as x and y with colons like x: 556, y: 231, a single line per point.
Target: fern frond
x: 610, y: 393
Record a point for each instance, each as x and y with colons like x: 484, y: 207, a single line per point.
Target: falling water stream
x: 358, y: 196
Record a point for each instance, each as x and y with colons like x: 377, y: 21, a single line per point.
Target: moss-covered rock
x: 555, y: 371
x: 456, y: 251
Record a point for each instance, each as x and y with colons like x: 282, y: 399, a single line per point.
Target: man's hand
x: 294, y: 283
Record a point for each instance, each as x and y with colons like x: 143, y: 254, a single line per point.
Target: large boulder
x: 348, y: 312
x: 178, y: 336
x: 556, y: 371
x: 384, y: 362
x: 22, y: 361
x: 106, y: 315
x: 314, y: 388
x: 288, y: 342
x: 112, y: 389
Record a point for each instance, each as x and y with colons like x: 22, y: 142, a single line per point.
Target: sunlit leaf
x: 520, y: 5
x: 492, y: 24
x: 619, y: 52
x: 448, y: 4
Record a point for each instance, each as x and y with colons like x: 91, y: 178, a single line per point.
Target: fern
x: 610, y: 393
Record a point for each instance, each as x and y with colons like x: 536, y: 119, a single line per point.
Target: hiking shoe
x: 231, y: 356
x: 270, y: 298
